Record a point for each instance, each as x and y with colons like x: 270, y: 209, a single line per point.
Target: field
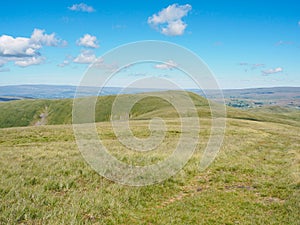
x: 254, y: 180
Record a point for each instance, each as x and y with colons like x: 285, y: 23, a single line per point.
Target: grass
x: 26, y: 112
x: 44, y: 180
x: 23, y: 113
x: 254, y: 180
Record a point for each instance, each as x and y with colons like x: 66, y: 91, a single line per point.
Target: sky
x: 245, y: 44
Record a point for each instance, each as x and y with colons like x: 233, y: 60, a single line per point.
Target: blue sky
x: 245, y: 43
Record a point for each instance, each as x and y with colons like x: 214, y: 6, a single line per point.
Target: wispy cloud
x: 284, y: 43
x: 118, y: 27
x: 2, y: 70
x: 25, y: 51
x: 257, y: 65
x: 272, y: 71
x: 243, y: 64
x: 85, y: 57
x: 64, y: 63
x: 251, y: 66
x: 82, y: 7
x: 169, y: 20
x: 218, y: 43
x: 88, y: 41
x: 166, y: 66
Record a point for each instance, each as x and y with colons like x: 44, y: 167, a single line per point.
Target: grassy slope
x: 254, y: 180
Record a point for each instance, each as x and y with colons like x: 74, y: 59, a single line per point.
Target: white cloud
x: 88, y: 41
x: 67, y: 61
x: 174, y: 28
x: 169, y: 20
x: 18, y: 47
x: 85, y: 57
x: 64, y: 63
x: 39, y: 37
x: 299, y: 23
x: 249, y: 66
x: 25, y: 51
x: 81, y: 7
x: 30, y: 61
x: 100, y: 64
x: 166, y: 66
x: 273, y: 71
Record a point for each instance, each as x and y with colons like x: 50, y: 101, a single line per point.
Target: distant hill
x: 59, y: 111
x: 258, y: 97
x: 238, y: 98
x: 61, y: 91
x: 30, y: 112
x: 9, y: 98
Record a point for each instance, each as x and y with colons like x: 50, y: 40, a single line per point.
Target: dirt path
x: 43, y: 118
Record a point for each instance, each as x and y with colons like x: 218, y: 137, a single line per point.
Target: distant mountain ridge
x: 68, y: 91
x: 58, y: 91
x: 239, y: 98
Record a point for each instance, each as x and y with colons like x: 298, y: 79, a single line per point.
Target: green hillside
x: 27, y: 112
x: 45, y: 180
x: 254, y: 180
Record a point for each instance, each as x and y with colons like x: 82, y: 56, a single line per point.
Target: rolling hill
x: 44, y: 179
x: 29, y: 112
x: 239, y: 98
x: 59, y: 111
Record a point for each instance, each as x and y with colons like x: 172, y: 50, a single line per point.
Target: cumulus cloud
x: 85, y: 57
x: 30, y: 61
x: 39, y: 37
x: 174, y: 28
x: 82, y: 7
x: 272, y: 71
x: 88, y: 41
x: 25, y: 51
x: 169, y: 20
x: 166, y: 66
